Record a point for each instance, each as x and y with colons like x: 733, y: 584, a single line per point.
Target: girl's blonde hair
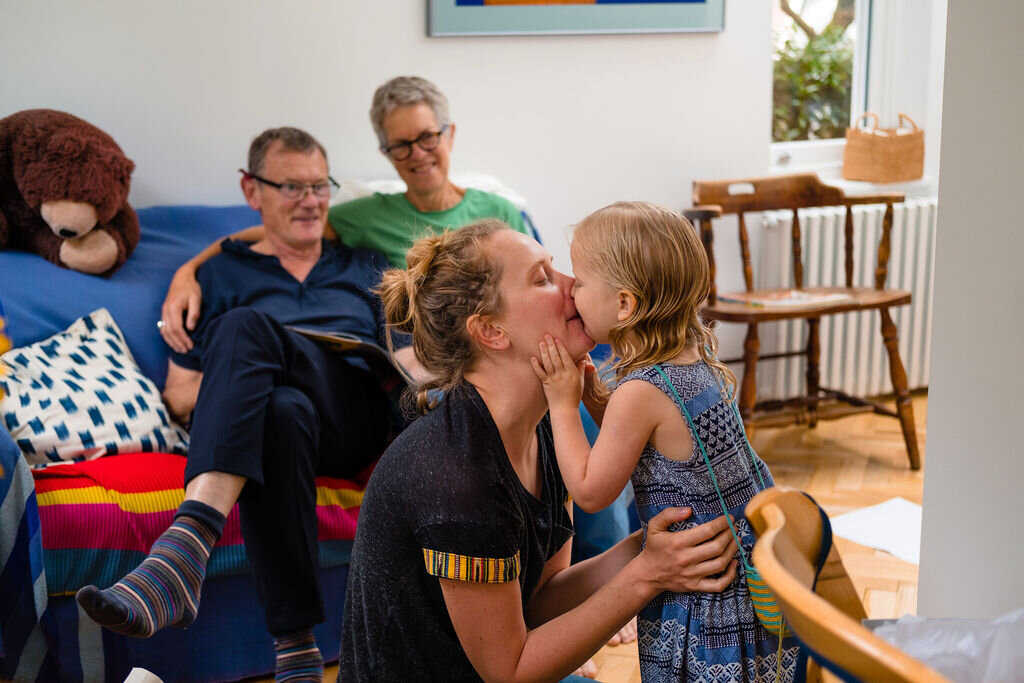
x: 449, y: 278
x: 655, y: 254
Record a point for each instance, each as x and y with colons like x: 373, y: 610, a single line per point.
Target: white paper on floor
x: 893, y: 526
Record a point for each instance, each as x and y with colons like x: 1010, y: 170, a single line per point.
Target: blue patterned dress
x: 704, y: 636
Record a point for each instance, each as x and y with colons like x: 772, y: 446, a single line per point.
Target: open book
x: 342, y: 342
x: 784, y: 298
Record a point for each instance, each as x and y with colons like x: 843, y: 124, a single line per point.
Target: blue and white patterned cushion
x: 79, y: 395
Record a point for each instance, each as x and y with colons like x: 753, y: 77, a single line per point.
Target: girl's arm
x: 489, y: 621
x: 594, y: 476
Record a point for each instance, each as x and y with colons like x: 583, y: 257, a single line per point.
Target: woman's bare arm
x: 489, y: 621
x: 695, y: 554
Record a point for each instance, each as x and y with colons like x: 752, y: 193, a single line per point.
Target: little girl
x: 641, y: 277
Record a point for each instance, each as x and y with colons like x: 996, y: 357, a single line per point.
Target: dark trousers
x: 278, y: 409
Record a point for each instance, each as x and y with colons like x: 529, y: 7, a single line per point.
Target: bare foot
x: 626, y: 634
x: 588, y: 670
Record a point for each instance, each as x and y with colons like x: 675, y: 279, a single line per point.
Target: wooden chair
x: 792, y: 192
x: 826, y: 617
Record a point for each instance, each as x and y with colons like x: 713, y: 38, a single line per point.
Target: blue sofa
x: 42, y: 634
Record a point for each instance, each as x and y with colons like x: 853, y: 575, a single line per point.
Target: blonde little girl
x: 670, y: 426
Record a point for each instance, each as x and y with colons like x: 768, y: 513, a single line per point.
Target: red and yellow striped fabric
x: 100, y: 517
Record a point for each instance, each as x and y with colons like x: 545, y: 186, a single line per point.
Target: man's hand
x: 183, y: 302
x: 686, y: 561
x: 562, y: 379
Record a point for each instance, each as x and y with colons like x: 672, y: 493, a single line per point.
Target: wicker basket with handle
x: 884, y: 155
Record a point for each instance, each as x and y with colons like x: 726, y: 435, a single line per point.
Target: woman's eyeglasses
x: 400, y: 151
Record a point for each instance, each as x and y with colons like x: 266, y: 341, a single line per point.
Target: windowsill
x: 825, y: 157
x: 926, y: 186
x: 805, y: 155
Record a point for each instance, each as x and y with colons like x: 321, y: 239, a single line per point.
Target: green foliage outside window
x: 813, y: 78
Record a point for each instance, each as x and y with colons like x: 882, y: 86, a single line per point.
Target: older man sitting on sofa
x: 272, y: 409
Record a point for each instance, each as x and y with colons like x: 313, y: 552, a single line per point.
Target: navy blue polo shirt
x: 334, y: 297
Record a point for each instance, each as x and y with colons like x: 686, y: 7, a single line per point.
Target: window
x: 820, y: 54
x: 813, y: 63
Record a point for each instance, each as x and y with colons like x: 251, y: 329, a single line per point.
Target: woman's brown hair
x: 450, y: 277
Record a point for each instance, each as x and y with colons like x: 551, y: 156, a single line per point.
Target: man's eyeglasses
x: 400, y: 151
x: 292, y: 191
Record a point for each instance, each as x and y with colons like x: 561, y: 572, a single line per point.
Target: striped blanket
x: 99, y: 519
x: 94, y: 521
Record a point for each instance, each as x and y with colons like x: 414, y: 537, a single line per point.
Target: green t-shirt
x: 390, y: 224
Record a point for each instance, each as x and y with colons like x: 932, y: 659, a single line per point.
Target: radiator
x: 853, y: 358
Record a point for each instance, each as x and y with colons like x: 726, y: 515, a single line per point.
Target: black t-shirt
x: 444, y: 500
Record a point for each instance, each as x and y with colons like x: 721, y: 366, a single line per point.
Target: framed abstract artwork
x: 526, y: 17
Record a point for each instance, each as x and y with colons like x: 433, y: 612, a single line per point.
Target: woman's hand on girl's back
x: 689, y: 560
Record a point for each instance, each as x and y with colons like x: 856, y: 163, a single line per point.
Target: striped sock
x: 298, y: 658
x: 164, y: 589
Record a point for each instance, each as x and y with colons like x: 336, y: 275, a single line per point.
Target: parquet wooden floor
x: 845, y: 465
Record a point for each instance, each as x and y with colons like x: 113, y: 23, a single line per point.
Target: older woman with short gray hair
x: 406, y: 91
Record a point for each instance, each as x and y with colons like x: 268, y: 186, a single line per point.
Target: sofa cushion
x: 79, y: 395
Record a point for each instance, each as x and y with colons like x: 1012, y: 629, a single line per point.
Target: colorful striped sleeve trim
x: 475, y: 569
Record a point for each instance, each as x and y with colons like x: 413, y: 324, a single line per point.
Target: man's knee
x: 288, y: 405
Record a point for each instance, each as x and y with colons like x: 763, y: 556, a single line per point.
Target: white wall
x: 971, y: 550
x: 571, y: 122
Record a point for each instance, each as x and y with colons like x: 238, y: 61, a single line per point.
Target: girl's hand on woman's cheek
x: 562, y: 379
